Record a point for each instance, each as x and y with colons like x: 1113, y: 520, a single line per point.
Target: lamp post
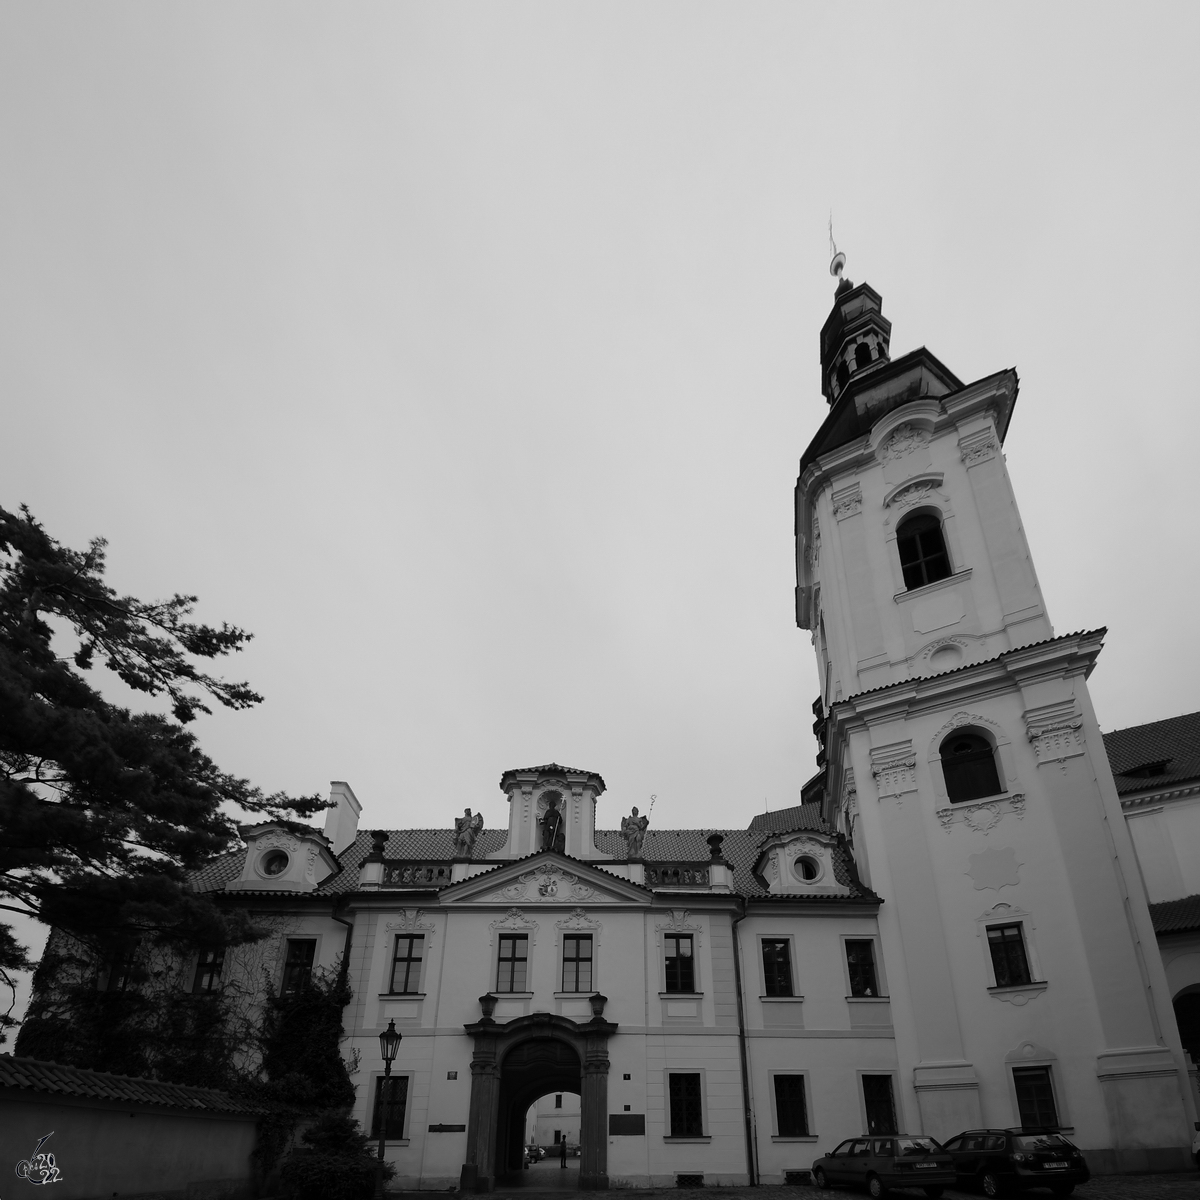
x: 389, y: 1047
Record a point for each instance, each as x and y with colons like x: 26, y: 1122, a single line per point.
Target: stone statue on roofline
x: 554, y: 826
x: 466, y: 829
x: 633, y: 830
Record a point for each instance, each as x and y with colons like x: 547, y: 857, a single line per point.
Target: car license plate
x: 1057, y: 1166
x: 921, y: 1166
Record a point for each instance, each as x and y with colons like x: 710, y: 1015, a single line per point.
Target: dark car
x: 1002, y: 1161
x: 882, y: 1163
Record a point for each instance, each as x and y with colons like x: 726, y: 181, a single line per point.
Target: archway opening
x: 552, y: 1142
x: 536, y: 1069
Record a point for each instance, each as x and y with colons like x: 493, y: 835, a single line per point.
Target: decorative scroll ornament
x: 678, y: 922
x: 848, y: 502
x: 979, y: 449
x: 904, y: 440
x: 409, y: 921
x: 915, y: 493
x: 276, y: 839
x: 310, y: 863
x: 578, y: 919
x: 514, y: 921
x: 1055, y: 733
x: 894, y: 768
x: 984, y: 816
x: 545, y: 884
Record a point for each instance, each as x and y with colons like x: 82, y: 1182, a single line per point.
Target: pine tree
x: 104, y: 810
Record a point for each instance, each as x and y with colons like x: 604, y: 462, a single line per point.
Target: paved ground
x: 1185, y: 1186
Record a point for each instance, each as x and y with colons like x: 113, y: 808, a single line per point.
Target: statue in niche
x: 466, y: 829
x: 633, y: 830
x: 554, y: 826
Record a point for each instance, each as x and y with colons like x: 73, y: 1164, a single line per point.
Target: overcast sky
x: 465, y: 353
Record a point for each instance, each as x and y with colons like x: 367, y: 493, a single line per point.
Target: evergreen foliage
x: 335, y: 1162
x: 103, y: 810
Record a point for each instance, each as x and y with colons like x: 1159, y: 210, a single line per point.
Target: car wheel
x: 875, y: 1187
x: 933, y: 1192
x: 993, y: 1185
x: 820, y: 1178
x: 1062, y: 1189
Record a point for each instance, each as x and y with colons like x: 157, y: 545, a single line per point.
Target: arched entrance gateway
x: 517, y: 1061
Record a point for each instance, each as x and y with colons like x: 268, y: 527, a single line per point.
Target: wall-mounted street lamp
x: 389, y: 1047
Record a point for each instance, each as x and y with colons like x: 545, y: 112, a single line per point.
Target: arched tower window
x: 969, y: 766
x: 862, y: 355
x: 922, y: 548
x: 843, y: 374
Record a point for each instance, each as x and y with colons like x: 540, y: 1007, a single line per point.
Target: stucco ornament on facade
x: 914, y: 493
x: 895, y: 769
x: 578, y: 919
x: 1055, y: 733
x: 994, y: 869
x: 276, y: 839
x: 515, y: 921
x: 546, y: 884
x: 847, y: 502
x: 978, y: 449
x: 904, y: 439
x: 409, y: 921
x: 984, y: 816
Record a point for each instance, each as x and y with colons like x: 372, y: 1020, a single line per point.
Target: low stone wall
x: 105, y: 1147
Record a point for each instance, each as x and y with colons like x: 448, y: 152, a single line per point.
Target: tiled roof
x: 1173, y: 745
x: 1176, y: 916
x: 784, y: 820
x: 33, y: 1075
x: 899, y: 683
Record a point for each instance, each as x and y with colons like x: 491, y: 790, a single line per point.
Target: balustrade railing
x: 677, y: 874
x: 416, y: 874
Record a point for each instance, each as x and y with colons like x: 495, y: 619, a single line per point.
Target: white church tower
x: 965, y: 765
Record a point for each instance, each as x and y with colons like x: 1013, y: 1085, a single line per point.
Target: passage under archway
x: 531, y: 1069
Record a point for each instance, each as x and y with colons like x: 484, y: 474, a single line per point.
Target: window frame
x: 897, y: 1102
x: 881, y: 992
x: 284, y: 990
x: 912, y: 519
x: 1048, y: 1068
x: 577, y: 936
x: 973, y: 731
x: 1002, y: 926
x: 1009, y: 914
x: 776, y: 1136
x: 214, y: 969
x: 514, y: 936
x: 786, y: 940
x: 678, y: 936
x: 377, y: 1078
x: 395, y: 960
x: 704, y: 1135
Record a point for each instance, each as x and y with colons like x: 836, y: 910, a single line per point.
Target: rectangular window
x: 406, y: 963
x: 687, y: 1111
x: 860, y: 958
x: 122, y: 970
x: 777, y: 966
x: 790, y: 1110
x: 208, y: 970
x: 577, y: 962
x: 558, y: 1100
x: 557, y: 1136
x: 1009, y: 959
x: 1035, y: 1098
x: 391, y: 1103
x: 512, y: 968
x: 297, y: 967
x: 681, y: 974
x: 879, y: 1103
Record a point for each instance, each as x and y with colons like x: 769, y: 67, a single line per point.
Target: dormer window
x: 275, y: 862
x: 922, y: 548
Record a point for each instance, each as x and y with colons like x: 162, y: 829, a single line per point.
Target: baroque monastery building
x: 952, y: 930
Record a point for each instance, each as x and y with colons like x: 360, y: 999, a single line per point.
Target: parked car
x: 882, y: 1163
x: 534, y: 1152
x: 1001, y: 1161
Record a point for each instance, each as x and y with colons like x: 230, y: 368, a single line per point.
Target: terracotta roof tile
x: 1172, y: 745
x: 1176, y: 916
x: 34, y: 1075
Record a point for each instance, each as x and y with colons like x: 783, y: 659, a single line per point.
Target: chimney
x: 341, y: 821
